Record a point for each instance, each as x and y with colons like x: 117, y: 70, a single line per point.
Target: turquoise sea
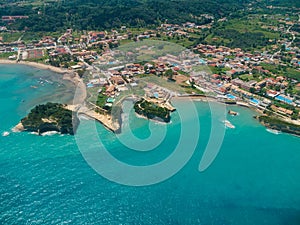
x: 254, y: 179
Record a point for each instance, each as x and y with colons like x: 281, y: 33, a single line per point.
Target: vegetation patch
x: 152, y: 110
x: 50, y: 117
x: 278, y: 124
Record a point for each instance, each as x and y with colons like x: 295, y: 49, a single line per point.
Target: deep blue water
x: 254, y: 179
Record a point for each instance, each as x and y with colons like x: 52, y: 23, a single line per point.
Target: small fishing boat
x: 228, y: 124
x: 233, y: 113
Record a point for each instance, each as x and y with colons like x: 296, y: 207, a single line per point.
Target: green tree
x: 169, y: 73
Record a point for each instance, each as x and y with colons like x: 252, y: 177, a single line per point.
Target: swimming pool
x: 90, y: 85
x: 110, y: 100
x: 284, y: 99
x: 202, y: 61
x: 230, y: 96
x: 255, y: 101
x: 155, y: 94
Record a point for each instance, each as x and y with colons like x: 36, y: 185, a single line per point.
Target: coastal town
x: 150, y: 112
x: 266, y: 79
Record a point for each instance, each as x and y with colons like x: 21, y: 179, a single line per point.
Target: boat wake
x: 50, y: 133
x: 273, y: 131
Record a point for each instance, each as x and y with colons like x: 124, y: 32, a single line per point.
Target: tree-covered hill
x: 152, y: 111
x: 50, y: 117
x: 103, y: 14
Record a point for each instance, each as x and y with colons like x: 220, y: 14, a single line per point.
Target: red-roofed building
x: 272, y: 93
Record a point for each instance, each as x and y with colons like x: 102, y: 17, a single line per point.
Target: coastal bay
x: 150, y: 112
x: 40, y: 175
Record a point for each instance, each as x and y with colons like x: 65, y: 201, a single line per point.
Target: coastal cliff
x: 49, y: 117
x: 278, y: 124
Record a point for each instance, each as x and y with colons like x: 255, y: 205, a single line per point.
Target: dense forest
x: 242, y: 40
x: 284, y: 3
x: 104, y: 14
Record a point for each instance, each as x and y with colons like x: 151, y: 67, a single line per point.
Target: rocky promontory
x: 278, y: 124
x: 49, y: 117
x: 153, y: 111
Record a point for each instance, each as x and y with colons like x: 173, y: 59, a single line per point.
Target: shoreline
x: 80, y: 94
x: 68, y: 75
x: 105, y: 120
x: 152, y: 120
x: 115, y: 126
x: 256, y: 110
x: 36, y: 65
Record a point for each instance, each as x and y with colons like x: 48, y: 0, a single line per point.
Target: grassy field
x: 243, y: 32
x: 5, y: 55
x: 11, y: 37
x: 217, y: 70
x: 283, y: 71
x: 253, y: 25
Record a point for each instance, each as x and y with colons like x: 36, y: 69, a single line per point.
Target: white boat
x: 228, y: 124
x: 273, y: 131
x: 5, y: 133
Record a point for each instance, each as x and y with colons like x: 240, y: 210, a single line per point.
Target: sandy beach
x: 18, y: 128
x: 80, y: 93
x: 35, y: 64
x: 69, y: 75
x: 106, y: 120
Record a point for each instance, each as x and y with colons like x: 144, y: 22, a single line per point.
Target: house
x: 237, y: 82
x: 96, y: 35
x: 261, y: 84
x: 215, y: 76
x: 110, y: 90
x: 272, y: 93
x: 284, y: 111
x: 248, y: 85
x: 76, y: 67
x: 117, y: 80
x: 33, y: 54
x: 13, y: 18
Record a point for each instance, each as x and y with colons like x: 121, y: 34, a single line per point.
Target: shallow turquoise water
x: 46, y: 180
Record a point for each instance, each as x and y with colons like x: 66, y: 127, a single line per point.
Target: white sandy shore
x: 35, y: 64
x: 106, y: 120
x: 18, y: 128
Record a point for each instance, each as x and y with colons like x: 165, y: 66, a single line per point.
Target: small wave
x: 157, y: 122
x: 5, y: 133
x: 82, y: 117
x: 273, y: 131
x: 50, y: 133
